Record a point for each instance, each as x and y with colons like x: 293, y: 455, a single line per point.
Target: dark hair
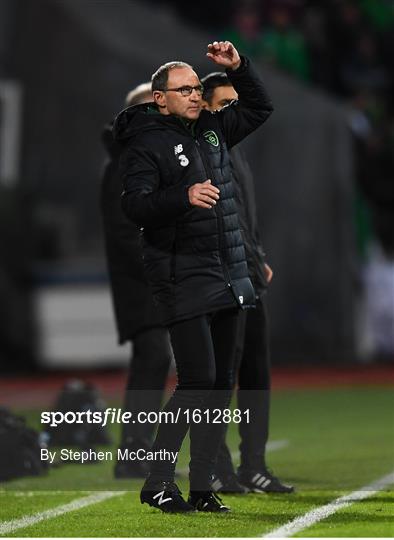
x: 212, y: 81
x: 160, y: 77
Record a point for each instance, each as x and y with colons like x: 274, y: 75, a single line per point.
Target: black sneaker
x: 165, y: 496
x: 227, y: 484
x: 207, y: 501
x: 263, y: 482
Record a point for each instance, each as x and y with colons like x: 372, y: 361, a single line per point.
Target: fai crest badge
x: 211, y: 137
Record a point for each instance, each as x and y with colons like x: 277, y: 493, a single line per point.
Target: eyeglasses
x: 186, y: 90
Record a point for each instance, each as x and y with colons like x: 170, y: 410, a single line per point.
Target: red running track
x: 41, y: 390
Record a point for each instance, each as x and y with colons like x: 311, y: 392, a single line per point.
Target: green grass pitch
x: 339, y: 440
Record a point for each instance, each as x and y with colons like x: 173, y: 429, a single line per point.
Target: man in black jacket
x: 178, y: 187
x: 252, y: 351
x: 135, y: 314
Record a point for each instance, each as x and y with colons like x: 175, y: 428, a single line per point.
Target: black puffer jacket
x: 194, y: 257
x: 247, y: 211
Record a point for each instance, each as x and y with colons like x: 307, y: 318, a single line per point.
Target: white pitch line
x: 7, y: 527
x: 276, y: 445
x: 270, y: 447
x: 312, y: 517
x: 46, y: 492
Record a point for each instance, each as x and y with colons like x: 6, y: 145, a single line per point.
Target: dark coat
x: 246, y: 202
x: 131, y: 294
x: 194, y: 257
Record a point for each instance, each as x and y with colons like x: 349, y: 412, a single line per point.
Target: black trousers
x: 204, y: 350
x: 253, y: 366
x: 150, y: 362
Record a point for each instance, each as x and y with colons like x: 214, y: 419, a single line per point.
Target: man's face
x: 222, y: 95
x: 188, y: 107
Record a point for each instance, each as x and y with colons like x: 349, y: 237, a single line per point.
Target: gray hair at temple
x: 140, y: 94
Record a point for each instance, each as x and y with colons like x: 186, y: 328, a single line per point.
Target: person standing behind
x: 252, y: 356
x: 135, y: 315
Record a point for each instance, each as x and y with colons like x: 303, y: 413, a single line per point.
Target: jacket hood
x: 135, y: 119
x: 112, y: 147
x: 145, y: 117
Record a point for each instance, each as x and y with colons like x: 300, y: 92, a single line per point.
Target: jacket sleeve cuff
x: 243, y: 67
x: 178, y: 199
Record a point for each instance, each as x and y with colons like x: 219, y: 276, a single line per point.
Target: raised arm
x: 253, y: 106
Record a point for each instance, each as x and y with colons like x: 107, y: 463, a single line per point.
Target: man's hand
x: 203, y: 195
x: 268, y: 272
x: 224, y: 54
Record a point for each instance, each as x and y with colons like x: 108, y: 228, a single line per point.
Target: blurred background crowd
x: 323, y: 166
x: 343, y: 47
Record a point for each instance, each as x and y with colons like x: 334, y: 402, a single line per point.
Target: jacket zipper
x: 219, y: 219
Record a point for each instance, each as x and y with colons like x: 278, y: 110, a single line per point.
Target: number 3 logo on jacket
x: 183, y: 160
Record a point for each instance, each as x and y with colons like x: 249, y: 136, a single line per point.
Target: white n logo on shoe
x: 161, y: 500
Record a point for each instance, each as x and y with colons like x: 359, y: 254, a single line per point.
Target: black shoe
x: 207, y: 501
x: 227, y: 484
x: 165, y: 496
x: 263, y: 482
